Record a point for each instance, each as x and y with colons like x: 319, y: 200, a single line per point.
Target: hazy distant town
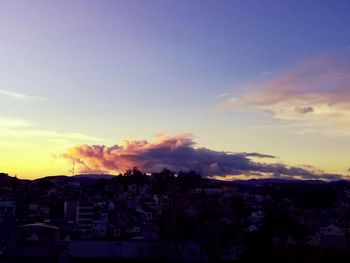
x: 172, y: 217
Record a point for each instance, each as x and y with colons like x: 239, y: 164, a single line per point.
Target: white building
x: 85, y: 213
x: 100, y: 226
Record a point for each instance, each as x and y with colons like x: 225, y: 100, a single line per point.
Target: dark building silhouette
x: 34, y: 243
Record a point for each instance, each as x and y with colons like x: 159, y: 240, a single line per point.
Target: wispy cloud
x: 179, y: 153
x: 317, y: 93
x: 223, y: 95
x: 19, y: 96
x: 21, y: 129
x: 259, y: 155
x: 7, y: 122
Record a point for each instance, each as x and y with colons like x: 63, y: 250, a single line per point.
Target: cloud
x: 179, y: 153
x: 7, y: 122
x: 304, y: 110
x: 18, y: 129
x: 316, y: 93
x: 259, y: 155
x: 223, y: 95
x: 19, y: 96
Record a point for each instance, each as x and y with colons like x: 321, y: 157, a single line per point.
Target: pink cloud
x: 121, y: 158
x: 316, y: 93
x: 178, y: 153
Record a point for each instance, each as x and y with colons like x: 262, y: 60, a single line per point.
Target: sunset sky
x: 234, y: 89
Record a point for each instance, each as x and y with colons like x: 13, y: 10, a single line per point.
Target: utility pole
x: 73, y: 168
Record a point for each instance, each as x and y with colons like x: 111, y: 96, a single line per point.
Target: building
x: 333, y: 237
x: 34, y: 243
x: 84, y: 218
x: 70, y: 210
x: 7, y: 220
x: 136, y: 250
x: 100, y: 225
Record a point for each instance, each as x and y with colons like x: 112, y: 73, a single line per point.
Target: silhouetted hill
x: 5, y: 176
x: 6, y: 179
x: 54, y: 177
x: 256, y: 182
x: 90, y: 178
x: 80, y: 178
x: 94, y: 176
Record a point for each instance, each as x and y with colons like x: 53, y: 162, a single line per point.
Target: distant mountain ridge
x: 6, y: 177
x: 249, y: 182
x: 94, y: 176
x: 276, y: 181
x: 80, y: 178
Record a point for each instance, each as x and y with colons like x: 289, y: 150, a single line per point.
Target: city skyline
x: 265, y: 82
